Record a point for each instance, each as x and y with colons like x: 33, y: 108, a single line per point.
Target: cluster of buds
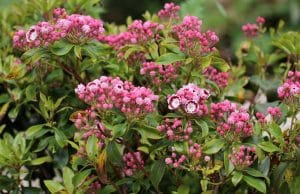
x: 191, y: 99
x: 138, y: 33
x: 243, y: 157
x: 106, y: 93
x: 261, y: 118
x: 175, y: 130
x: 75, y: 28
x: 191, y: 40
x: 220, y: 78
x: 175, y: 160
x: 170, y: 12
x: 88, y: 123
x: 158, y: 74
x: 291, y: 86
x: 274, y: 112
x: 133, y: 162
x: 94, y: 186
x: 195, y: 150
x: 231, y: 119
x: 251, y: 30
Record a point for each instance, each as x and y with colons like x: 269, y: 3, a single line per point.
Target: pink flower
x: 174, y: 102
x: 191, y: 107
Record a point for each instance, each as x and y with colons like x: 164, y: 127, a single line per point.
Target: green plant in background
x: 148, y: 107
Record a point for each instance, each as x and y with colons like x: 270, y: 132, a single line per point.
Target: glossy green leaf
x: 53, y: 186
x: 236, y: 178
x: 68, y: 175
x: 169, y: 58
x: 213, y: 146
x: 61, y: 48
x: 256, y: 183
x: 268, y: 146
x: 157, y: 172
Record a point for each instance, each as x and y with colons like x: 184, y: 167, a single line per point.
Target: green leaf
x: 77, y: 51
x: 204, y: 183
x: 157, y: 172
x: 255, y: 173
x: 60, y: 137
x: 61, y: 48
x: 236, y: 178
x: 107, y: 190
x: 183, y: 189
x: 268, y: 146
x: 220, y: 64
x: 53, y: 186
x: 213, y: 146
x: 113, y: 152
x: 119, y: 130
x: 33, y: 130
x: 30, y: 92
x: 275, y: 131
x: 79, y: 178
x: 68, y: 175
x: 92, y: 147
x: 256, y: 183
x: 169, y: 58
x: 205, y: 61
x: 203, y: 126
x: 41, y: 160
x: 131, y: 50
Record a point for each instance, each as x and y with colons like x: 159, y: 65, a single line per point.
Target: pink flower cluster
x: 220, y: 78
x: 107, y: 92
x: 290, y: 87
x: 195, y: 150
x: 174, y: 129
x: 191, y: 99
x: 261, y: 118
x: 138, y: 33
x: 191, y: 40
x: 175, y: 160
x: 170, y: 12
x: 75, y: 28
x: 88, y: 123
x: 159, y: 74
x: 230, y: 119
x: 274, y: 112
x: 94, y: 186
x: 133, y: 162
x: 42, y: 34
x: 243, y: 157
x: 251, y: 30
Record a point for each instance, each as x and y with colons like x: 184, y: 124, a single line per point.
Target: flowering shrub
x: 152, y: 107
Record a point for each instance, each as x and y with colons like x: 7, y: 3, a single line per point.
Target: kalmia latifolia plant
x: 150, y: 107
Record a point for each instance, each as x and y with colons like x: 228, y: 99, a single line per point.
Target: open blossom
x: 190, y: 98
x: 220, y: 78
x: 242, y: 157
x: 107, y: 92
x: 231, y: 120
x: 133, y: 162
x: 290, y: 87
x: 191, y: 40
x: 170, y: 12
x: 174, y: 129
